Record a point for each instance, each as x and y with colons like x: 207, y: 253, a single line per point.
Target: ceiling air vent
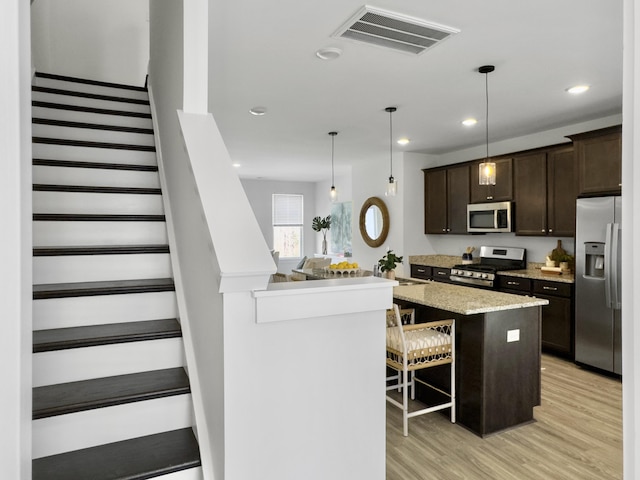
x: 393, y: 30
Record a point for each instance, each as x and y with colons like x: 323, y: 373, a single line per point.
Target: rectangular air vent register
x: 393, y: 30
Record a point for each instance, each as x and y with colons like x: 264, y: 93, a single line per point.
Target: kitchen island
x: 497, y: 352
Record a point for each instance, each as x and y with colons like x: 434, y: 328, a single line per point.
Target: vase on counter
x: 390, y: 274
x: 324, y: 244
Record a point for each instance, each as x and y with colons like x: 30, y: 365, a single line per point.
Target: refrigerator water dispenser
x: 594, y: 259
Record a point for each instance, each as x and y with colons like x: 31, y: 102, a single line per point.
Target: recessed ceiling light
x: 469, y: 122
x: 403, y: 141
x: 577, y: 89
x: 258, y: 111
x: 237, y: 165
x: 330, y: 53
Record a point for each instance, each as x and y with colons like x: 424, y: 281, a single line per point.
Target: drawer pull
x: 420, y: 270
x: 553, y: 289
x: 513, y: 283
x: 441, y: 273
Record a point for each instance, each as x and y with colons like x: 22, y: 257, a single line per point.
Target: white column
x: 631, y: 237
x: 196, y: 56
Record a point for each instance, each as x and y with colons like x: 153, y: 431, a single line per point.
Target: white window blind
x: 287, y: 209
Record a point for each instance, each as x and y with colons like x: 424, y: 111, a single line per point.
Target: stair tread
x: 107, y: 334
x: 93, y: 96
x: 81, y: 217
x: 80, y: 108
x: 101, y: 165
x: 72, y: 397
x: 91, y: 144
x: 39, y: 187
x: 135, y: 459
x: 92, y: 126
x: 115, y: 287
x: 89, y: 82
x: 99, y: 250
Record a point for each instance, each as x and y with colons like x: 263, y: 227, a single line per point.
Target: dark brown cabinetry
x: 599, y: 161
x: 445, y: 199
x: 502, y: 191
x: 557, y: 317
x: 439, y: 274
x: 558, y: 331
x: 544, y: 184
x: 421, y: 271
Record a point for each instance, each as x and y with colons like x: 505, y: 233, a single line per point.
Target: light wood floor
x: 577, y: 436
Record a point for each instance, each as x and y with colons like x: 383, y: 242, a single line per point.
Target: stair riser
x: 103, y: 309
x: 87, y: 88
x: 70, y: 233
x: 87, y: 363
x: 64, y: 433
x: 190, y: 474
x: 91, y: 135
x: 95, y: 177
x: 88, y: 117
x: 90, y: 102
x: 95, y: 268
x: 90, y: 154
x: 97, y: 203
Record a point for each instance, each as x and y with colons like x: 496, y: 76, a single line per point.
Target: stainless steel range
x: 492, y: 260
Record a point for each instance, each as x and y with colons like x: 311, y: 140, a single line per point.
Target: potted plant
x: 388, y: 264
x: 322, y: 225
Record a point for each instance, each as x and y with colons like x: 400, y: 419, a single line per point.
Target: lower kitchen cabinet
x: 558, y: 326
x: 558, y: 332
x: 438, y: 274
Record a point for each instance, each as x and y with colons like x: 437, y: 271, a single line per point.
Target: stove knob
x: 468, y: 274
x: 485, y: 275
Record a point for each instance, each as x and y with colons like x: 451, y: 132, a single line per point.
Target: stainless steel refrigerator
x: 598, y: 278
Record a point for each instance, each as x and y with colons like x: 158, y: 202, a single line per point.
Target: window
x: 287, y: 225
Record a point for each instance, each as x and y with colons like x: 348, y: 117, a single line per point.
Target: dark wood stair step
x: 90, y: 82
x: 72, y: 217
x: 108, y: 334
x: 89, y: 144
x: 99, y: 250
x: 89, y: 289
x: 135, y: 459
x: 44, y: 162
x: 91, y: 126
x: 92, y: 96
x: 39, y: 187
x: 72, y: 397
x: 80, y: 108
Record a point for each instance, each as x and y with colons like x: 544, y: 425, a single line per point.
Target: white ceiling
x: 263, y: 54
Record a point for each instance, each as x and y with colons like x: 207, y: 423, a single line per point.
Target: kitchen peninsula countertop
x: 463, y: 300
x: 532, y: 271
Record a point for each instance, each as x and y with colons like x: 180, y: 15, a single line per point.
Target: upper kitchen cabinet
x: 502, y: 191
x: 599, y: 161
x: 544, y: 185
x: 446, y: 195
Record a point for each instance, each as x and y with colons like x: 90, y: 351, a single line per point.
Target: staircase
x: 111, y: 397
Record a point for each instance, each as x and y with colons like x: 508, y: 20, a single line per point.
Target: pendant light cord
x: 486, y: 91
x: 391, y: 110
x: 333, y: 138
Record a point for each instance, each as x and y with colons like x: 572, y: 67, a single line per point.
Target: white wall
x: 259, y: 193
x: 15, y: 241
x: 417, y: 243
x: 95, y: 39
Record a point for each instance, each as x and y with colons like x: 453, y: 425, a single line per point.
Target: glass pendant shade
x: 487, y: 173
x: 333, y: 193
x: 392, y: 187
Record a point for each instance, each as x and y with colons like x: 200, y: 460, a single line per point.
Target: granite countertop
x: 463, y: 300
x: 532, y: 271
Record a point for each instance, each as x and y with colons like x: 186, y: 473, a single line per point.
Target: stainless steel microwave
x: 489, y: 217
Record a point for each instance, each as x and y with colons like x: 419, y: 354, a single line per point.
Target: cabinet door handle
x: 441, y: 273
x: 420, y: 270
x: 444, y: 229
x: 513, y: 283
x: 551, y: 230
x: 489, y: 198
x: 553, y: 289
x: 543, y: 230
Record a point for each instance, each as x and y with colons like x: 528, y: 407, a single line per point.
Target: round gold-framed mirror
x: 374, y: 222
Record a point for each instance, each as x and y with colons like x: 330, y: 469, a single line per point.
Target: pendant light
x: 333, y: 193
x: 487, y: 169
x: 392, y: 186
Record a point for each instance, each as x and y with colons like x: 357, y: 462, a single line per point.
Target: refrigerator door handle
x: 607, y: 266
x: 616, y: 301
